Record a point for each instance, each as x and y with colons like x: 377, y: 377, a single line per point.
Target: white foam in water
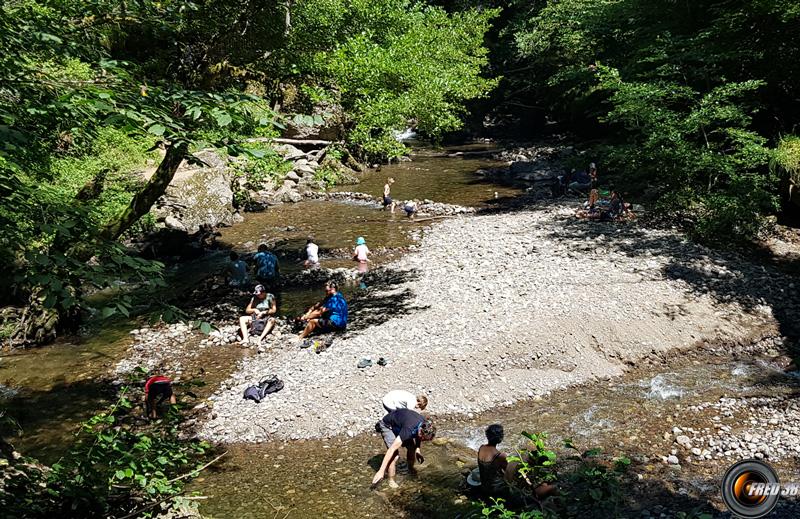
x: 661, y: 389
x: 594, y: 424
x: 742, y: 370
x: 472, y: 438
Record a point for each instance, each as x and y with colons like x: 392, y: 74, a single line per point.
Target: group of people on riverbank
x: 328, y: 315
x: 602, y: 204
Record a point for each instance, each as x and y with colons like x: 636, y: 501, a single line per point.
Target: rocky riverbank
x: 494, y: 309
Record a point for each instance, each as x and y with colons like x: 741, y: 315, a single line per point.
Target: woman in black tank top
x: 492, y: 463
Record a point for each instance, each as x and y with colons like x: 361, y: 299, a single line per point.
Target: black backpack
x: 269, y: 385
x: 257, y: 326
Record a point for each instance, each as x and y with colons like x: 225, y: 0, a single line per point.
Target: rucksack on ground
x: 266, y: 386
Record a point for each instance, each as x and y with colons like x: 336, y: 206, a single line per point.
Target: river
x: 51, y: 389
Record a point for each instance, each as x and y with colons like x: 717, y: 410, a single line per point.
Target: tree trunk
x: 144, y: 199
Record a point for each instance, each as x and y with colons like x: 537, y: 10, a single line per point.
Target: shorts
x: 386, y: 432
x: 326, y: 325
x: 389, y: 436
x: 162, y: 390
x: 387, y: 200
x: 409, y: 210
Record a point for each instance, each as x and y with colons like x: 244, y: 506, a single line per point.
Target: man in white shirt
x: 400, y: 399
x: 312, y: 253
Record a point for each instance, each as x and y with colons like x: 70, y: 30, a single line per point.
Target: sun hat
x: 259, y: 290
x: 474, y: 478
x: 361, y: 241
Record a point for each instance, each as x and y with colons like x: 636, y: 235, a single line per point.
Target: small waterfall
x: 406, y: 135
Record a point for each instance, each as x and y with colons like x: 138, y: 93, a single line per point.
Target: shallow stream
x: 50, y: 390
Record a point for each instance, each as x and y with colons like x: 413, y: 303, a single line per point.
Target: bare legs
x: 310, y: 327
x: 244, y: 323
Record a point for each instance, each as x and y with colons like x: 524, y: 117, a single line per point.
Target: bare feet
x: 393, y: 484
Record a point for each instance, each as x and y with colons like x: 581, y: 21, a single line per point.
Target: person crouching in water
x: 259, y: 320
x: 402, y: 428
x: 410, y: 207
x: 312, y: 254
x: 157, y: 387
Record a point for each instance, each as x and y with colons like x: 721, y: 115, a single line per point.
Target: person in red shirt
x: 160, y: 387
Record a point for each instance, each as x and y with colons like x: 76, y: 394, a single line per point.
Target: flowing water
x: 49, y: 390
x: 330, y: 478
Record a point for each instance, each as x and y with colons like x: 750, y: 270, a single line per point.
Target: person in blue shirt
x: 267, y: 269
x: 329, y: 315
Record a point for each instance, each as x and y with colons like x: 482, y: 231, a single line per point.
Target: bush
x: 262, y: 166
x: 589, y: 485
x: 114, y: 468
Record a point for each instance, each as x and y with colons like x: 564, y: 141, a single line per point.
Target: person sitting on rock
x: 495, y: 470
x: 400, y: 399
x: 312, y: 254
x: 157, y: 387
x: 236, y: 271
x: 580, y: 181
x: 402, y: 428
x: 329, y: 315
x: 259, y: 320
x: 387, y: 194
x: 267, y: 268
x: 492, y: 463
x: 617, y: 208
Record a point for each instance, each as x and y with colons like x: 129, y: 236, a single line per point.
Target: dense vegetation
x: 587, y: 483
x: 116, y: 467
x: 685, y: 100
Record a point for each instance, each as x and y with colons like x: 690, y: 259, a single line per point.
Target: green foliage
x: 537, y: 462
x: 787, y: 157
x: 498, y: 510
x: 113, y: 469
x: 77, y: 116
x: 588, y: 484
x: 328, y: 174
x: 261, y: 167
x: 397, y: 63
x: 685, y: 96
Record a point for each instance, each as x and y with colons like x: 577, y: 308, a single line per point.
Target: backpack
x: 269, y: 385
x: 257, y: 326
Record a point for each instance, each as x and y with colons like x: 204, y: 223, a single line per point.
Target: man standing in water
x: 267, y: 269
x: 402, y: 428
x: 387, y: 194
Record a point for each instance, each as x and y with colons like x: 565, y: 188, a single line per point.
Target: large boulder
x: 328, y: 124
x: 199, y: 194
